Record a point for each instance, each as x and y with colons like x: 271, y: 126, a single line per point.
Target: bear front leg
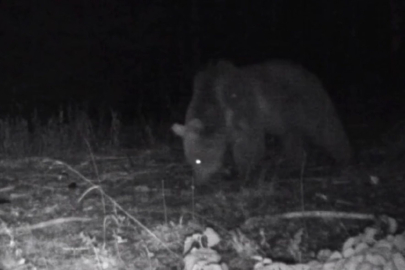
x: 293, y: 152
x: 248, y: 150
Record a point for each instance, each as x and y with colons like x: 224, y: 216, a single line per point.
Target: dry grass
x: 78, y: 200
x: 68, y: 132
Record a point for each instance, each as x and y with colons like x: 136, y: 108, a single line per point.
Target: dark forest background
x: 138, y: 58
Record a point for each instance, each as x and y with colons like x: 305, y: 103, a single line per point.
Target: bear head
x: 203, y: 151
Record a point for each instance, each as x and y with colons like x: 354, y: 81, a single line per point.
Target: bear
x: 233, y: 110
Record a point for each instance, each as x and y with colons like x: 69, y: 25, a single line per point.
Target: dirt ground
x: 134, y: 209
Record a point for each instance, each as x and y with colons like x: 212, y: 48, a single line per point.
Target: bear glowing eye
x: 198, y: 161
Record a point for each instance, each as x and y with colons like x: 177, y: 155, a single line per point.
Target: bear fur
x: 233, y: 109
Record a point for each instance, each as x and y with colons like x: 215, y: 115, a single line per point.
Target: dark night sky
x: 138, y: 57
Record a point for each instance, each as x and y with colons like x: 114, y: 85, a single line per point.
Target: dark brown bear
x: 235, y: 108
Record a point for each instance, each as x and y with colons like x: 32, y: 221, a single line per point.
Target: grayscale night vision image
x: 202, y: 134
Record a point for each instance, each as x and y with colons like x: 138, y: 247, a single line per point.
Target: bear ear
x: 179, y: 130
x: 193, y: 126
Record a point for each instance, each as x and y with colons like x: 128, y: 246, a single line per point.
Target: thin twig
x: 52, y: 222
x: 136, y: 221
